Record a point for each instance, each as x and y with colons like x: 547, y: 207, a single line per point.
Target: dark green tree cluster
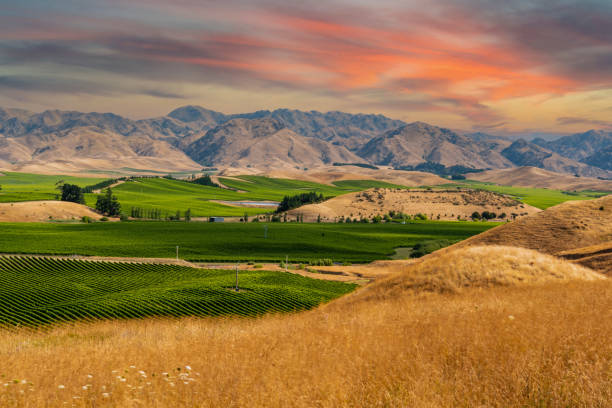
x: 108, y: 204
x: 291, y: 202
x: 102, y: 184
x: 205, y: 180
x: 148, y: 213
x: 72, y: 193
x: 486, y: 215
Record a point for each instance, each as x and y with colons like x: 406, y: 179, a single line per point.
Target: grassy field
x: 229, y: 242
x: 31, y: 187
x: 537, y: 197
x: 36, y: 291
x: 174, y: 195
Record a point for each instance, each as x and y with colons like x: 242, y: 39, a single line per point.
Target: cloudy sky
x: 496, y: 66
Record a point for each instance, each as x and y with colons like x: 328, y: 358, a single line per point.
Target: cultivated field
x: 31, y: 187
x: 35, y: 291
x: 231, y: 242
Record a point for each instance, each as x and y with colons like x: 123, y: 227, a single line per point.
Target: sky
x: 502, y: 67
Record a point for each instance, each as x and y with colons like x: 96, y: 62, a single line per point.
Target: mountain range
x: 191, y: 137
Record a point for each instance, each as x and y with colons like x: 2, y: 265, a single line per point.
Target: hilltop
x: 435, y: 204
x: 571, y: 226
x: 41, y: 211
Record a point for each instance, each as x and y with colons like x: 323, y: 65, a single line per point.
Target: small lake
x: 249, y: 203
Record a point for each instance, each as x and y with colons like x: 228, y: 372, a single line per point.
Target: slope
x: 534, y: 177
x: 264, y: 143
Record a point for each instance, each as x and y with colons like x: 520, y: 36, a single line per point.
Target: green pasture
x: 231, y: 241
x: 34, y: 187
x: 175, y: 195
x: 36, y: 291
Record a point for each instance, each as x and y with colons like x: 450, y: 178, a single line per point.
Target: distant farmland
x: 230, y: 242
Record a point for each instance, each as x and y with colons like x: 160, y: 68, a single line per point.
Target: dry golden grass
x: 545, y: 344
x: 540, y: 178
x: 597, y: 257
x: 436, y: 204
x: 41, y: 211
x: 531, y: 346
x: 474, y: 267
x: 567, y: 226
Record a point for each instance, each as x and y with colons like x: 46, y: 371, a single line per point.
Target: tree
x: 475, y: 215
x: 108, y: 204
x: 72, y: 193
x: 246, y: 217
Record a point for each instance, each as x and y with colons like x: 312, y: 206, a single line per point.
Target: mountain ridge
x: 300, y: 139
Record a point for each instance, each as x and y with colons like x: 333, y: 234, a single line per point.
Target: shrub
x: 86, y: 219
x: 420, y: 216
x: 104, y: 219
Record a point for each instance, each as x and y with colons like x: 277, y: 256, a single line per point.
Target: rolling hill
x: 539, y: 178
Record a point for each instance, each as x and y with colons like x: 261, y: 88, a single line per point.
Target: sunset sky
x: 501, y: 67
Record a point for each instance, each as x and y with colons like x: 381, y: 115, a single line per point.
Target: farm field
x: 541, y: 198
x: 231, y: 242
x: 33, y: 187
x: 35, y: 291
x: 175, y: 195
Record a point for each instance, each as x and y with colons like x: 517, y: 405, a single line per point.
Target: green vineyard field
x: 37, y: 291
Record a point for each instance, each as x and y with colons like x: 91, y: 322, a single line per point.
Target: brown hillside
x: 474, y: 267
x: 40, y: 211
x: 264, y: 143
x: 330, y: 174
x: 597, y: 257
x: 447, y: 204
x: 571, y: 225
x: 540, y: 178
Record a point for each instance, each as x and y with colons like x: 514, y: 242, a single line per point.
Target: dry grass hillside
x: 436, y: 204
x: 474, y: 267
x: 500, y: 343
x: 329, y: 174
x: 571, y: 225
x: 40, y: 211
x: 597, y: 257
x: 540, y: 178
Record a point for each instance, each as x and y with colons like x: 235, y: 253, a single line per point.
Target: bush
x: 476, y: 215
x: 86, y: 219
x: 104, y: 219
x: 421, y: 217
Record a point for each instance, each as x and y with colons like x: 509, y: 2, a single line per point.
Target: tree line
x: 291, y: 202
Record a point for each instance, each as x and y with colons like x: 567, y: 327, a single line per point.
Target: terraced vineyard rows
x: 36, y: 291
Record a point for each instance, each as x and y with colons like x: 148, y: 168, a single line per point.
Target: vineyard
x: 36, y: 291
